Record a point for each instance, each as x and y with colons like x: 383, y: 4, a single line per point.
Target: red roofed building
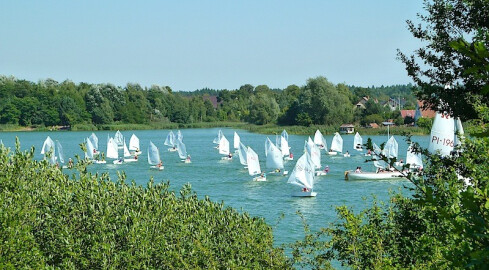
x: 408, y: 113
x: 424, y: 113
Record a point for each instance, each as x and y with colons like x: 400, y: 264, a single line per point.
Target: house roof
x: 406, y: 113
x: 373, y: 125
x: 425, y: 113
x: 347, y: 126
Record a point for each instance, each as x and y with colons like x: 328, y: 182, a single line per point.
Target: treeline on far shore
x: 319, y: 104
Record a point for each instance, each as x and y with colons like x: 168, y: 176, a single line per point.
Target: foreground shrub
x: 48, y: 219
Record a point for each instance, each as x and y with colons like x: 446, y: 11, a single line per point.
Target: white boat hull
x: 346, y: 155
x: 321, y: 173
x: 226, y: 158
x: 130, y: 160
x: 260, y: 179
x: 157, y: 168
x: 288, y: 158
x: 99, y: 161
x: 349, y: 175
x: 117, y: 162
x: 333, y: 153
x: 172, y: 149
x: 304, y: 194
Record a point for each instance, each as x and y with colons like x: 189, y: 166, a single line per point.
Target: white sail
x: 267, y: 145
x: 126, y: 151
x: 459, y: 132
x: 377, y: 149
x: 118, y: 138
x: 242, y: 154
x: 170, y: 139
x: 442, y: 135
x: 391, y: 148
x: 318, y: 137
x: 357, y: 142
x: 90, y: 148
x: 274, y: 157
x: 253, y: 162
x: 153, y: 154
x: 337, y: 143
x: 48, y: 147
x: 380, y: 164
x: 179, y: 135
x: 93, y: 138
x: 413, y: 159
x: 218, y: 138
x: 303, y: 173
x: 61, y: 156
x: 134, y: 143
x: 224, y: 146
x: 284, y: 146
x: 112, y: 151
x: 237, y: 140
x: 285, y: 135
x: 313, y: 150
x: 182, y: 150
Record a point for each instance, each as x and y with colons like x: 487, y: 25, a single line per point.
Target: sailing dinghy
x: 154, y: 157
x: 224, y: 149
x: 134, y: 145
x: 170, y: 141
x: 254, y: 165
x: 336, y: 145
x: 127, y: 155
x: 274, y: 158
x: 303, y: 176
x: 182, y: 151
x: 358, y: 142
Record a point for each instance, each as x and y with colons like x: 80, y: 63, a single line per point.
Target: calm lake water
x: 229, y: 182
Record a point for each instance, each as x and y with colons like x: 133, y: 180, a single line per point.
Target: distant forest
x: 320, y: 102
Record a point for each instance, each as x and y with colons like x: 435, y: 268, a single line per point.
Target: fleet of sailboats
x: 445, y: 137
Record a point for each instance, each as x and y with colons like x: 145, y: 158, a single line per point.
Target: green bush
x: 49, y: 219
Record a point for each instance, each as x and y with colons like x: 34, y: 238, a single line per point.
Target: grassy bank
x: 263, y: 129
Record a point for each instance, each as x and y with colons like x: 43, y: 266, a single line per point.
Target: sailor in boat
x: 230, y: 156
x: 369, y: 153
x: 380, y: 170
x: 70, y: 163
x: 188, y: 158
x: 136, y: 157
x: 159, y: 165
x: 304, y: 189
x: 358, y: 170
x: 291, y: 156
x: 103, y: 156
x: 347, y: 154
x: 358, y: 146
x: 277, y: 170
x: 326, y: 169
x: 401, y: 162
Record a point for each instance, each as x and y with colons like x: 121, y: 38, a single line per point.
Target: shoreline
x: 269, y: 129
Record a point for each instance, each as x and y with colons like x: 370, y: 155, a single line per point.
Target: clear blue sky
x: 218, y: 44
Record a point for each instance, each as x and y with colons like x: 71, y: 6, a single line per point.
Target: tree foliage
x: 49, y: 103
x: 51, y: 220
